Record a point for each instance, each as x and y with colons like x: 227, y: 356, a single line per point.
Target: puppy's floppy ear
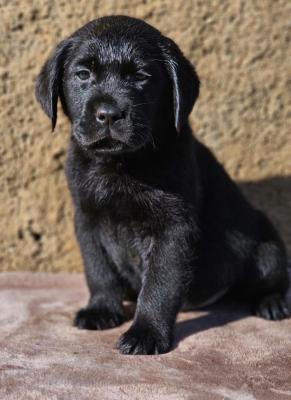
x: 48, y: 83
x: 184, y: 79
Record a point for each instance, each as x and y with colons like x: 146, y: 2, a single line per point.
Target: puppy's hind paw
x: 142, y: 341
x: 273, y: 307
x: 98, y: 318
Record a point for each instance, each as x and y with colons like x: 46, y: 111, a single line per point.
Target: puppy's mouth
x: 107, y: 145
x: 104, y: 145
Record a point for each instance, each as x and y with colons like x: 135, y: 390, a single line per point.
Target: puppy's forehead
x: 111, y: 43
x: 108, y: 51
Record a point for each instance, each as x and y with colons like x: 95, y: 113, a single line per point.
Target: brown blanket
x: 219, y: 353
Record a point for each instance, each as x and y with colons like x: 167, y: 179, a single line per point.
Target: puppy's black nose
x: 107, y: 114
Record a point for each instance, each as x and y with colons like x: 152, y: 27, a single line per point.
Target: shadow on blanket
x: 219, y: 314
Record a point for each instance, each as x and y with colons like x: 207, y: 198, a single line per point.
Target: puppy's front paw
x: 98, y: 318
x: 273, y: 307
x: 139, y: 340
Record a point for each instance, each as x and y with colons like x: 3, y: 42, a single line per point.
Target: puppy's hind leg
x: 271, y: 280
x: 268, y: 278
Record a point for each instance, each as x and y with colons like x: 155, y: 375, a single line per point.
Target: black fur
x: 157, y: 217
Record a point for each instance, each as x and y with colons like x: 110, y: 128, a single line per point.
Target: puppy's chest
x: 118, y: 190
x: 127, y: 245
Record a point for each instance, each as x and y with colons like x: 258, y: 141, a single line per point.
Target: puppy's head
x: 119, y: 80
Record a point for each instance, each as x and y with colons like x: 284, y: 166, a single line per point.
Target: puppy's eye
x: 142, y: 76
x: 83, y: 74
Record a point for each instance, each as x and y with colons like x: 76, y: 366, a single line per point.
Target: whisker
x: 142, y: 104
x: 153, y: 142
x: 157, y: 59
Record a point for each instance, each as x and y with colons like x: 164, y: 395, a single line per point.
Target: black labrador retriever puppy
x: 158, y: 219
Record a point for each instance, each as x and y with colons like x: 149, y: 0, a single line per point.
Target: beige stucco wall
x: 242, y: 52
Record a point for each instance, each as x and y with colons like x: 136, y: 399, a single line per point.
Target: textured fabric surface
x: 219, y: 353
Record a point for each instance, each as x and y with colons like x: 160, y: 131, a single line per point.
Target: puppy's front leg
x: 166, y: 281
x: 104, y: 309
